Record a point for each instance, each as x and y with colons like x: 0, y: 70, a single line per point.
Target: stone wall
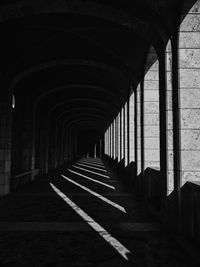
x: 151, y: 118
x: 116, y: 138
x: 122, y: 133
x: 126, y: 136
x: 5, y: 148
x: 119, y: 138
x: 138, y: 130
x: 189, y: 71
x: 132, y: 127
x: 169, y: 127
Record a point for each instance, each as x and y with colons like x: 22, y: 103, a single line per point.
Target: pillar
x: 116, y: 139
x: 27, y: 145
x: 151, y: 118
x: 132, y: 127
x: 125, y: 136
x: 139, y: 135
x: 5, y: 148
x: 119, y: 137
x: 169, y: 124
x: 189, y: 95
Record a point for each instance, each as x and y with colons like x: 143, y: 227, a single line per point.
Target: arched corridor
x: 100, y: 133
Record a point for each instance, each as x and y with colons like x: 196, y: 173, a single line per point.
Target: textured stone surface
x: 191, y: 23
x: 151, y: 117
x: 151, y: 131
x: 151, y: 85
x: 189, y: 40
x: 169, y: 115
x: 126, y: 136
x: 190, y: 118
x: 138, y: 130
x: 190, y: 98
x: 189, y: 78
x: 190, y: 139
x: 119, y: 139
x: 189, y: 53
x: 189, y: 58
x: 190, y: 160
x: 132, y: 127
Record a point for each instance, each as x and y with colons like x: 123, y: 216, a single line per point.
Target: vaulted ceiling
x: 81, y: 59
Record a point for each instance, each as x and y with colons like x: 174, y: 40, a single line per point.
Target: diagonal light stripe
x: 115, y: 205
x: 105, y: 176
x: 121, y: 249
x: 90, y: 160
x: 92, y: 164
x: 96, y: 181
x: 91, y: 167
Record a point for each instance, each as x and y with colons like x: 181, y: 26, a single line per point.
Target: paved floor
x: 68, y: 219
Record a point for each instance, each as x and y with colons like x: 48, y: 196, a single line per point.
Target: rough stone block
x: 189, y: 58
x: 152, y: 76
x: 190, y: 119
x: 190, y: 98
x: 152, y: 164
x: 151, y: 85
x: 151, y: 95
x: 170, y: 181
x: 151, y: 130
x: 152, y: 155
x: 151, y: 107
x: 188, y: 176
x: 151, y: 119
x: 170, y: 158
x: 190, y: 161
x: 169, y: 100
x: 195, y: 8
x: 169, y: 80
x: 189, y: 40
x: 191, y: 23
x: 169, y: 139
x: 151, y: 143
x: 190, y: 139
x: 168, y: 56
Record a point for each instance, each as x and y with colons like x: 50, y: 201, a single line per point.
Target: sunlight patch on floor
x: 115, y: 205
x: 121, y: 249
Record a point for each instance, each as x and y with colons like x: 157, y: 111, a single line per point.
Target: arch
x: 140, y: 26
x: 66, y: 62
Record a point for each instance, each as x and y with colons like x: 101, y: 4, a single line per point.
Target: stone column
x: 106, y: 142
x: 110, y: 141
x: 132, y: 127
x: 33, y: 145
x: 138, y: 130
x: 122, y: 134
x: 113, y: 139
x: 169, y: 126
x: 27, y: 145
x: 119, y: 138
x: 189, y: 92
x: 125, y: 136
x: 151, y: 118
x: 116, y: 138
x: 5, y: 148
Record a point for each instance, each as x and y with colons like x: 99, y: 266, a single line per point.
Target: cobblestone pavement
x: 38, y: 228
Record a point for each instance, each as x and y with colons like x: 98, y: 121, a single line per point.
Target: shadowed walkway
x: 43, y: 224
